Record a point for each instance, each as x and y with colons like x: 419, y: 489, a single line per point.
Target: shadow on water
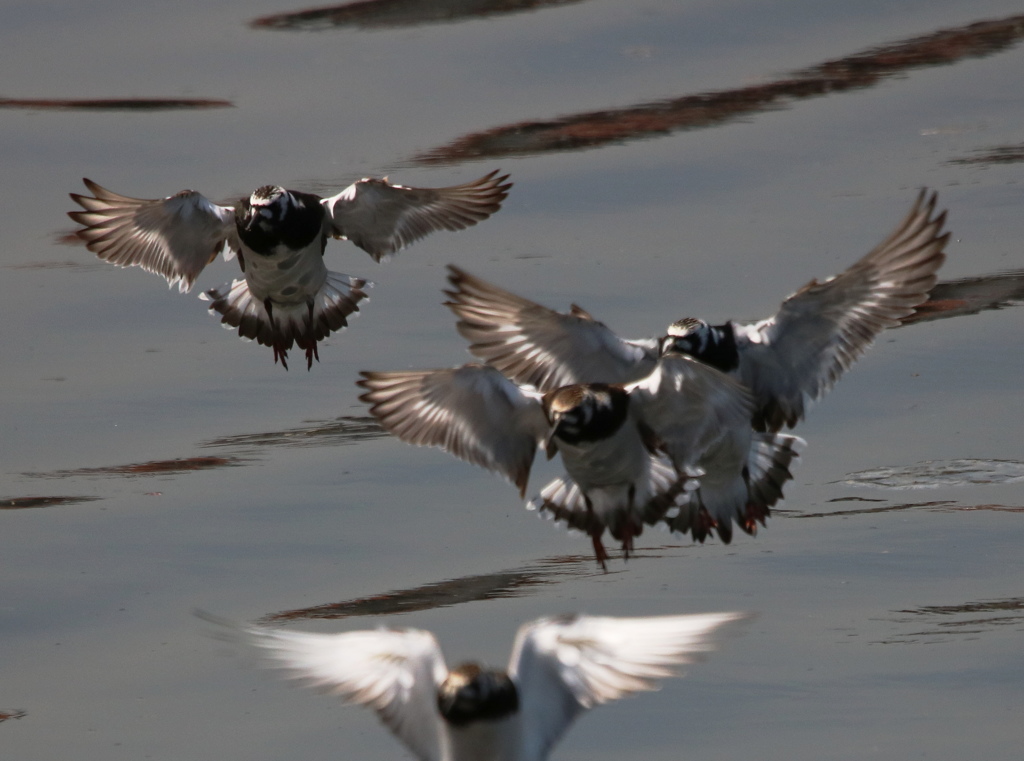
x: 318, y: 433
x: 151, y: 468
x: 708, y: 109
x: 939, y: 473
x: 944, y: 623
x: 381, y: 14
x: 113, y: 104
x: 443, y: 594
x: 956, y: 298
x: 24, y: 503
x: 1001, y: 154
x: 339, y: 432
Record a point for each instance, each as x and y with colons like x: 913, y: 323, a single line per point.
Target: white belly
x: 288, y: 277
x: 607, y: 470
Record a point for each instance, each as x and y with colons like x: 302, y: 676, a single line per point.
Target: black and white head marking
x: 471, y: 693
x: 714, y: 345
x: 586, y: 412
x: 273, y: 216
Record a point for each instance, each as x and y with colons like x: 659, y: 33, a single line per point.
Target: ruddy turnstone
x: 630, y: 451
x: 787, y: 360
x: 559, y: 668
x: 286, y: 296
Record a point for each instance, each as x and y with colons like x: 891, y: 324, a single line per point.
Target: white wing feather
x: 382, y: 218
x: 534, y: 345
x: 564, y: 666
x: 821, y: 330
x: 396, y: 672
x: 175, y: 237
x: 472, y: 412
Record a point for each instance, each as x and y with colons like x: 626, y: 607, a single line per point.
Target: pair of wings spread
x: 479, y: 415
x: 561, y: 667
x: 787, y: 360
x: 178, y: 236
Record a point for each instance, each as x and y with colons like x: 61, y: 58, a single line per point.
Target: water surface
x: 669, y: 159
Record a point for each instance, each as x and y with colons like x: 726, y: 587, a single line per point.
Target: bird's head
x: 471, y: 693
x: 265, y: 208
x: 687, y: 336
x: 585, y: 412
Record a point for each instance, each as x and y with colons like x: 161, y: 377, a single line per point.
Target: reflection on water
x: 954, y: 298
x: 113, y: 104
x: 870, y: 510
x: 23, y: 503
x: 857, y: 71
x: 151, y: 468
x: 340, y: 431
x: 380, y: 14
x: 1002, y: 154
x: 944, y: 622
x: 442, y: 594
x: 5, y: 715
x: 936, y: 473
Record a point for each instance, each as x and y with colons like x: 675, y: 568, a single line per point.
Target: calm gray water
x: 670, y: 158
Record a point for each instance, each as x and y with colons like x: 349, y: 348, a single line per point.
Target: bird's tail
x: 744, y: 494
x: 563, y: 501
x: 281, y: 325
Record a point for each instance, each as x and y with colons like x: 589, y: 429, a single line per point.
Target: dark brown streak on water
x: 380, y: 14
x: 956, y: 298
x: 960, y: 620
x: 342, y: 430
x: 597, y: 128
x: 113, y: 104
x: 442, y: 594
x: 1002, y: 154
x: 151, y: 468
x: 24, y: 503
x: 869, y: 510
x: 937, y: 506
x: 5, y: 715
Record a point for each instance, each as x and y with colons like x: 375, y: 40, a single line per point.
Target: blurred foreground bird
x: 559, y: 668
x: 287, y: 295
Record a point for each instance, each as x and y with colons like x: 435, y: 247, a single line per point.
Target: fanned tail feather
x: 289, y: 324
x: 563, y: 501
x: 746, y: 499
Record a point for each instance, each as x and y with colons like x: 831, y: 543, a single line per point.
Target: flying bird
x: 787, y: 360
x: 286, y: 295
x: 631, y: 452
x: 559, y: 668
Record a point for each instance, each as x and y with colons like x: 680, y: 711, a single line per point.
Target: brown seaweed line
x: 24, y: 503
x: 151, y: 468
x: 442, y: 594
x: 858, y: 71
x: 341, y: 430
x: 1000, y: 154
x: 113, y: 104
x: 870, y: 510
x: 395, y: 13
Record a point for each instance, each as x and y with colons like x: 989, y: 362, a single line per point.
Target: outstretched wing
x: 382, y: 218
x: 534, y: 345
x: 690, y: 406
x: 175, y: 237
x: 472, y: 412
x: 564, y: 666
x: 396, y: 672
x: 823, y: 328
